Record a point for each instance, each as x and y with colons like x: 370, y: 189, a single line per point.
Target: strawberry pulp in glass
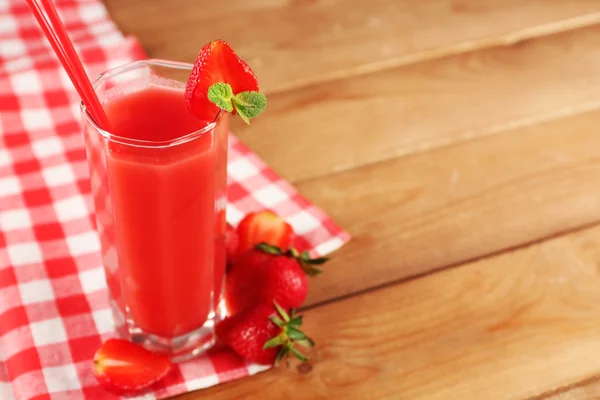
x: 158, y: 179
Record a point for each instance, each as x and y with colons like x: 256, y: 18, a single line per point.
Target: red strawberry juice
x: 167, y: 192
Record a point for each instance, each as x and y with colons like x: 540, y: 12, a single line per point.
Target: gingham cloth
x: 53, y: 300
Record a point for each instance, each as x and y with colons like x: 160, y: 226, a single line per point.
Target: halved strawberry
x: 216, y: 62
x: 123, y: 367
x: 264, y: 227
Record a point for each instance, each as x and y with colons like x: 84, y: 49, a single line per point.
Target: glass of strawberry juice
x: 158, y: 178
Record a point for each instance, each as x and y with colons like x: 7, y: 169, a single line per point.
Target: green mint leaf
x: 249, y: 104
x: 221, y: 94
x: 241, y: 114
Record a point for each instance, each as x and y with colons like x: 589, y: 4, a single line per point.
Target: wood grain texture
x: 512, y: 326
x: 418, y: 213
x: 354, y: 122
x: 586, y: 391
x: 294, y: 42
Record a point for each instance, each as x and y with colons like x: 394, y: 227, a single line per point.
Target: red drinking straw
x: 55, y: 32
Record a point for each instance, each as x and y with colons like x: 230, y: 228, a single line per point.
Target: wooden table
x: 459, y: 143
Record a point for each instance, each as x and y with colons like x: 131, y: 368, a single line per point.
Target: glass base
x: 178, y: 349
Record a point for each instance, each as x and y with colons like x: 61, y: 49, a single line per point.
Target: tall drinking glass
x: 158, y: 178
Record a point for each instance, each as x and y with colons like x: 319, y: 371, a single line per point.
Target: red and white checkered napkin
x: 53, y: 301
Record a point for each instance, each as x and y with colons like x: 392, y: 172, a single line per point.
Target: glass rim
x: 109, y: 73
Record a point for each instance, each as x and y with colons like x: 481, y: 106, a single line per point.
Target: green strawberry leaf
x: 308, y: 342
x: 221, y: 94
x: 269, y: 249
x: 292, y: 252
x: 289, y: 334
x: 282, y: 353
x: 277, y: 321
x: 295, y: 334
x: 312, y: 261
x: 274, y: 342
x: 295, y: 322
x: 298, y: 355
x: 309, y: 269
x: 249, y: 104
x: 282, y: 312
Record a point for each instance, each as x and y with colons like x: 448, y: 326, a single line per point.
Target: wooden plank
x: 423, y: 212
x: 349, y: 123
x: 294, y: 42
x: 509, y: 327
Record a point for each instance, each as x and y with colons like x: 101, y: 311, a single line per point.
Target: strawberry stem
x: 282, y: 312
x: 269, y: 249
x: 308, y: 264
x: 277, y: 321
x: 290, y: 334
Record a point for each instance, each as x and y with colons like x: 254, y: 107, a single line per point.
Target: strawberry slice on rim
x: 217, y: 63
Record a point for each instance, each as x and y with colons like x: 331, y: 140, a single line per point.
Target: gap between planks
x: 476, y: 259
x: 501, y: 128
x: 294, y: 43
x: 510, y: 189
x: 587, y: 389
x: 454, y: 49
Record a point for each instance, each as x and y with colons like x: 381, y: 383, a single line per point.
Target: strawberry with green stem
x: 266, y: 274
x: 263, y: 334
x: 220, y: 79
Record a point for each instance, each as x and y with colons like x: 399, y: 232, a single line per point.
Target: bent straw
x: 60, y: 42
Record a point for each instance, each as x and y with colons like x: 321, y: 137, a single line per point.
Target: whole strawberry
x: 285, y: 282
x: 231, y: 244
x: 263, y: 334
x: 243, y: 281
x: 266, y: 274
